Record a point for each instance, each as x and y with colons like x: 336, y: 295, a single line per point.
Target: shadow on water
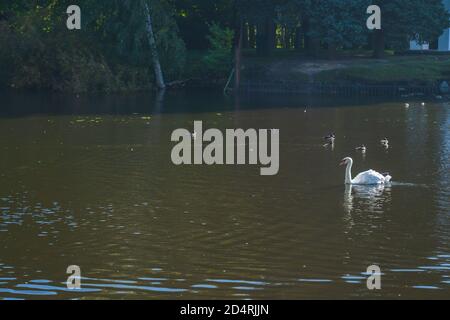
x: 18, y: 105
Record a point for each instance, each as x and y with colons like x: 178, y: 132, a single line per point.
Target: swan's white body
x: 369, y: 177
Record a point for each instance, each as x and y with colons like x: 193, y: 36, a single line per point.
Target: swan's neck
x: 348, y: 173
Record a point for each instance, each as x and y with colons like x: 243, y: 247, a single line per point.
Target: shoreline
x: 350, y: 89
x: 275, y: 88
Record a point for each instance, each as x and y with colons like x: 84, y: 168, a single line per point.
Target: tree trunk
x: 154, y: 51
x: 298, y: 38
x: 306, y: 37
x: 238, y: 54
x: 313, y: 47
x: 260, y: 39
x: 332, y: 49
x: 378, y: 44
x: 271, y: 36
x: 265, y: 37
x: 245, y: 41
x: 286, y: 39
x: 251, y: 36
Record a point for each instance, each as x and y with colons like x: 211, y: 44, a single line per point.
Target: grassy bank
x: 358, y: 68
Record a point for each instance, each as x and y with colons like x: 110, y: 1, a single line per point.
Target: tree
x: 112, y: 50
x: 260, y: 13
x: 138, y: 30
x: 194, y: 17
x: 290, y: 15
x: 154, y: 51
x: 405, y: 20
x: 219, y: 57
x: 333, y: 23
x: 10, y: 8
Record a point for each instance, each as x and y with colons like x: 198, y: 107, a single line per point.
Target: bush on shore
x: 38, y: 52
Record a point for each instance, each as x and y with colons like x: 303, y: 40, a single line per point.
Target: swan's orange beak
x: 342, y: 162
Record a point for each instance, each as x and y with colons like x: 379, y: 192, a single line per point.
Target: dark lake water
x: 89, y: 181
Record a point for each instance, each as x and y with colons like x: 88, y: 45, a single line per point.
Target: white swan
x: 369, y: 177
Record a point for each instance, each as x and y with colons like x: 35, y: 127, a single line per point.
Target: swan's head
x: 346, y: 161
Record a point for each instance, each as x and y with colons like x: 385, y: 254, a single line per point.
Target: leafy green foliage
x: 339, y: 22
x: 110, y: 52
x: 194, y: 17
x: 218, y: 61
x: 404, y: 20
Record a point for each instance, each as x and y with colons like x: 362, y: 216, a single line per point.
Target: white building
x: 444, y: 39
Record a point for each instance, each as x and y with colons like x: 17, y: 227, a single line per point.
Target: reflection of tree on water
x: 368, y: 199
x: 159, y: 101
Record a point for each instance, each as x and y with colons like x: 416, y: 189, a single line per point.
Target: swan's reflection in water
x: 367, y: 199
